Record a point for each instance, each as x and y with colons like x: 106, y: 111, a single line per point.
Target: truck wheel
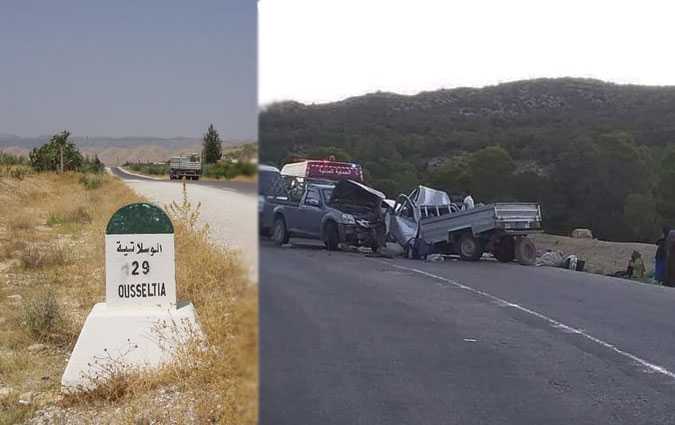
x: 505, y: 251
x: 332, y: 236
x: 469, y: 247
x: 280, y: 233
x: 526, y: 252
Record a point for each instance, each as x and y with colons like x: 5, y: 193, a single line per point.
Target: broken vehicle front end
x: 360, y: 216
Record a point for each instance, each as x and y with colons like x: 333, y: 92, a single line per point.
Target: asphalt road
x: 350, y: 339
x: 249, y: 188
x: 229, y: 209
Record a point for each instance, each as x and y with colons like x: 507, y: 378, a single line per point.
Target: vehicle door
x: 403, y: 224
x: 309, y: 214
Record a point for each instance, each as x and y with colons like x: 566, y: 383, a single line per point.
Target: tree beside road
x: 61, y: 155
x: 212, y: 146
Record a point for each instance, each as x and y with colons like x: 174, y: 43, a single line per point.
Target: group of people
x: 636, y: 266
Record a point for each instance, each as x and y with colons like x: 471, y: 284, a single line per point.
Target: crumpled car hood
x: 352, y: 195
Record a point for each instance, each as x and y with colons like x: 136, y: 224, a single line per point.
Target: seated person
x: 636, y: 267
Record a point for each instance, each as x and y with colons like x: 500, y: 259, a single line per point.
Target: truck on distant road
x: 185, y: 166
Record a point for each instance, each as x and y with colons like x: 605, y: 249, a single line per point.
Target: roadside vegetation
x: 230, y: 170
x: 221, y: 170
x: 52, y: 273
x: 148, y: 168
x: 14, y: 166
x: 217, y: 162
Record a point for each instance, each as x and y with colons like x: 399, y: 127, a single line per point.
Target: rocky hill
x: 527, y: 117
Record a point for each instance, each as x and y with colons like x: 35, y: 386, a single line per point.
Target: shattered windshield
x: 327, y: 193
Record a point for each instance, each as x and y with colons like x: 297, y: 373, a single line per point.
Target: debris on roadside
x: 572, y: 262
x: 435, y: 258
x: 558, y: 259
x: 26, y: 398
x: 551, y: 259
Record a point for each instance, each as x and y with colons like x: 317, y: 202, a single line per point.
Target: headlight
x: 261, y: 203
x: 348, y: 219
x: 363, y: 223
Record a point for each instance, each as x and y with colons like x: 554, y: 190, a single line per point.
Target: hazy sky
x: 324, y: 50
x: 128, y: 68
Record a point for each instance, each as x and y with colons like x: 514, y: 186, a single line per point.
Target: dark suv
x: 344, y: 212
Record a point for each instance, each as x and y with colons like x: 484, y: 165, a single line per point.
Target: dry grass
x: 44, y: 256
x: 216, y: 384
x: 601, y: 257
x: 43, y: 318
x: 78, y: 215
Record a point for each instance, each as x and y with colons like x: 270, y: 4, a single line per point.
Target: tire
x: 526, y: 252
x: 470, y: 248
x: 505, y: 251
x: 279, y: 232
x: 332, y: 236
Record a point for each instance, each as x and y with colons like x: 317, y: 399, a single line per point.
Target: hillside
x: 529, y: 117
x: 564, y: 142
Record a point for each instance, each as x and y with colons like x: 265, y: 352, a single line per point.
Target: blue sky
x: 128, y: 68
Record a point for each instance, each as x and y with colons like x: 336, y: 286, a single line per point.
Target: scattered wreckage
x: 427, y: 222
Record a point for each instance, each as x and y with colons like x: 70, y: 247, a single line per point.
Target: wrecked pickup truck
x: 346, y: 212
x: 427, y: 222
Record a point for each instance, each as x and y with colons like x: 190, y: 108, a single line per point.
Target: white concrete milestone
x: 140, y: 325
x: 119, y: 339
x: 140, y: 270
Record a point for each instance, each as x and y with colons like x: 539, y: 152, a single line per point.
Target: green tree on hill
x: 58, y: 154
x: 665, y: 189
x: 212, y: 146
x: 641, y: 217
x: 490, y: 169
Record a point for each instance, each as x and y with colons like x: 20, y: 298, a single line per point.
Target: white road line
x: 566, y: 328
x: 131, y: 173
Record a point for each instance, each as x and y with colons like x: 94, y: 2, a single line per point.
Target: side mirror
x: 313, y: 202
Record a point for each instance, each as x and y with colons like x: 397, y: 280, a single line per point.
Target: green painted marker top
x: 139, y: 218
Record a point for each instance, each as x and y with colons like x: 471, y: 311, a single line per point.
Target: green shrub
x: 91, y: 182
x: 41, y: 315
x: 149, y: 168
x: 230, y: 170
x: 10, y: 159
x: 79, y: 215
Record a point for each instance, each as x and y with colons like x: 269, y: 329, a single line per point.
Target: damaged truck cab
x: 427, y: 222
